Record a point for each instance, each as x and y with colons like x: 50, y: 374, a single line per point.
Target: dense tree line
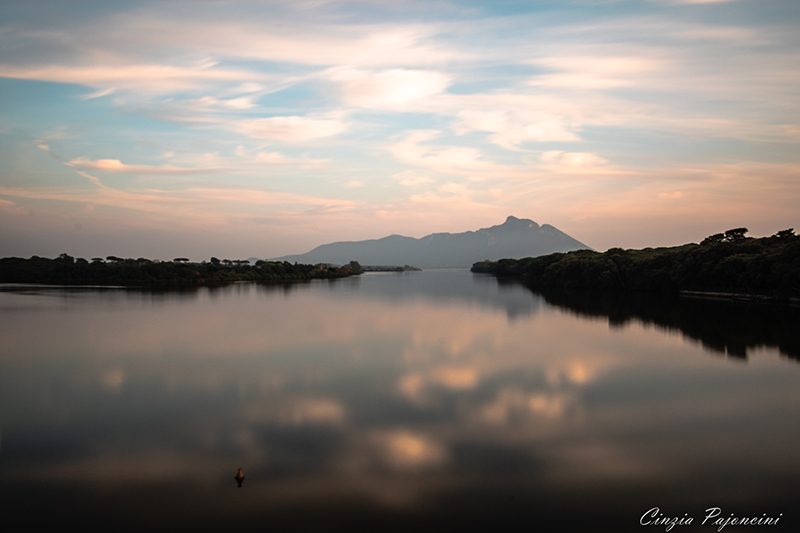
x: 67, y: 270
x: 725, y: 262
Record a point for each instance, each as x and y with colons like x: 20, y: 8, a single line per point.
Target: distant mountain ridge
x: 515, y: 238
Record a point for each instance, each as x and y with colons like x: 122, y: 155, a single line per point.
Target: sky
x: 257, y: 129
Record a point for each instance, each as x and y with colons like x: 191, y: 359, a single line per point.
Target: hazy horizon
x: 167, y: 257
x: 241, y: 129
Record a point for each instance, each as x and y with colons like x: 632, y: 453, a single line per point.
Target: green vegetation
x: 67, y: 270
x: 727, y: 262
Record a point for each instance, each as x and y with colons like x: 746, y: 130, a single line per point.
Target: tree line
x: 725, y: 262
x: 68, y: 270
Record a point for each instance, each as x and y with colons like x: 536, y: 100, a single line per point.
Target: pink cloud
x: 117, y: 166
x: 137, y: 77
x: 294, y: 128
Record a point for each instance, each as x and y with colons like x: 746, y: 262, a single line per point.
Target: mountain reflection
x: 730, y: 328
x: 442, y: 286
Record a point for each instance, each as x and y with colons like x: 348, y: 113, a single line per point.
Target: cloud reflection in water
x: 346, y: 400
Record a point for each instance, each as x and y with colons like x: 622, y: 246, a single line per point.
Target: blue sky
x: 242, y: 128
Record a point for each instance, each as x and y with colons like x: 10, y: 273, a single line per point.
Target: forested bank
x: 67, y: 270
x: 728, y: 262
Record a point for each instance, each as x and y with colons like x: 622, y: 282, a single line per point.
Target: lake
x: 437, y: 400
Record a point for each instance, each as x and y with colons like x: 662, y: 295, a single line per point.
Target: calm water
x: 428, y: 400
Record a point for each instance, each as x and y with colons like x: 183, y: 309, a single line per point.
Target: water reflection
x: 358, y: 404
x: 442, y: 285
x: 728, y: 328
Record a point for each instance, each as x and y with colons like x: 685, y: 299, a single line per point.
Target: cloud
x: 294, y: 128
x: 244, y: 196
x: 411, y: 178
x: 152, y: 77
x: 193, y: 205
x: 387, y: 89
x: 596, y: 114
x: 514, y: 119
x: 117, y: 166
x: 510, y: 129
x: 112, y: 380
x: 574, y: 162
x: 11, y: 208
x: 576, y: 372
x: 416, y: 385
x: 249, y: 87
x: 243, y: 162
x: 98, y: 94
x: 463, y: 163
x: 271, y: 158
x: 299, y: 411
x: 246, y: 161
x: 512, y: 402
x: 593, y: 72
x: 288, y: 38
x: 404, y: 449
x: 410, y: 149
x: 237, y: 104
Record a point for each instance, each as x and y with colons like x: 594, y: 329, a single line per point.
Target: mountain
x: 515, y: 238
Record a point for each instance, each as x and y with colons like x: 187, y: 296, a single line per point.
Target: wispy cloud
x: 98, y: 94
x: 117, y: 166
x: 596, y: 72
x: 294, y: 128
x: 155, y: 78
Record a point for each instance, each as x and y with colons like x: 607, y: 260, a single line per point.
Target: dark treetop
x: 67, y: 270
x: 726, y: 262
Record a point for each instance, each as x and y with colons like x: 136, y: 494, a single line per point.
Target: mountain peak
x: 514, y: 223
x: 512, y: 220
x: 515, y: 238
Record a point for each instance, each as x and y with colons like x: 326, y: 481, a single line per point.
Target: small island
x: 390, y: 268
x: 728, y: 264
x: 117, y: 271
